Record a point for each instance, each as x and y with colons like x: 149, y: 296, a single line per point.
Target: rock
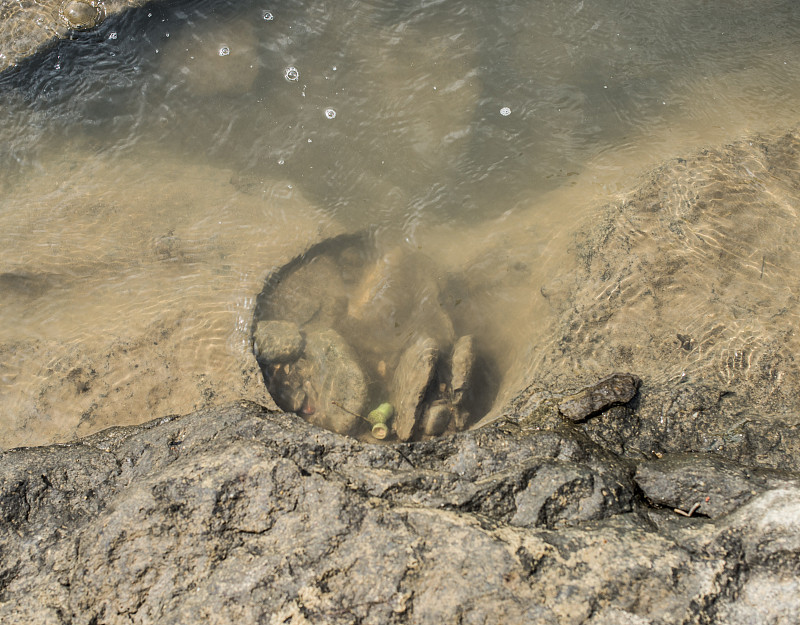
x: 462, y: 367
x: 277, y: 341
x: 716, y: 485
x: 393, y: 320
x: 239, y: 514
x: 436, y: 418
x: 614, y: 390
x: 413, y: 376
x: 462, y: 379
x: 397, y: 301
x: 291, y: 388
x: 326, y: 385
x: 310, y: 292
x: 82, y: 15
x: 724, y: 381
x: 338, y: 389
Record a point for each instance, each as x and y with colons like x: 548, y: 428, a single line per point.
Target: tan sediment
x: 127, y: 302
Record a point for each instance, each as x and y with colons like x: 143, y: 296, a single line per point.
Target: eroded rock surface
x: 238, y: 514
x: 688, y: 282
x: 615, y: 390
x: 414, y: 374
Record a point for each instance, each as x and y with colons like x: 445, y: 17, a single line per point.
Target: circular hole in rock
x: 357, y: 341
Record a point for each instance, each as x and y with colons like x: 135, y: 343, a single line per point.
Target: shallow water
x: 155, y: 170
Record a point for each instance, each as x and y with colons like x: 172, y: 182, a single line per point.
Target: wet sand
x: 126, y: 303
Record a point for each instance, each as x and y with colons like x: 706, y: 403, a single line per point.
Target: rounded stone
x: 413, y: 376
x: 81, y: 15
x: 436, y: 419
x: 277, y: 341
x: 338, y: 388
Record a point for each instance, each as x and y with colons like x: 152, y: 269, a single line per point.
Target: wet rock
x: 614, y: 390
x: 311, y: 293
x: 239, y: 514
x: 397, y: 300
x: 561, y: 494
x: 706, y: 483
x: 413, y: 376
x: 462, y: 380
x: 338, y: 389
x: 462, y: 366
x: 436, y: 418
x: 723, y: 381
x: 277, y: 341
x: 82, y: 15
x: 291, y: 388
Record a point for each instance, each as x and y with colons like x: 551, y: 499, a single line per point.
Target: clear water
x: 155, y: 170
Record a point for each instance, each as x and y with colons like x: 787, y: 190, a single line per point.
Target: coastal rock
x: 614, y: 390
x: 396, y: 302
x: 462, y: 367
x: 310, y: 293
x: 413, y: 376
x: 686, y: 280
x: 338, y: 389
x: 239, y: 514
x: 82, y: 15
x: 710, y: 485
x: 277, y: 341
x: 436, y: 418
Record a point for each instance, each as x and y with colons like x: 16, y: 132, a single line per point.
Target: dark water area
x: 418, y: 91
x: 174, y: 156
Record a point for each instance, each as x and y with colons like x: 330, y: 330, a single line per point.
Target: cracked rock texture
x: 239, y: 514
x: 687, y: 282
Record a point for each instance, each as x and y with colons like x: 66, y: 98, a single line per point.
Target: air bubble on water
x: 268, y: 16
x: 281, y: 162
x: 291, y: 74
x: 224, y: 51
x: 505, y: 111
x: 58, y: 66
x: 330, y: 113
x: 112, y: 35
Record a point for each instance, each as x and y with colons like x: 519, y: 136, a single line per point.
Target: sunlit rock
x: 81, y: 14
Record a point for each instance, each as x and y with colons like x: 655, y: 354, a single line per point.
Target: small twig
x: 338, y: 405
x: 692, y: 510
x: 406, y: 458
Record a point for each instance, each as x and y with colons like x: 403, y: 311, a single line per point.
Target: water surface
x: 155, y: 170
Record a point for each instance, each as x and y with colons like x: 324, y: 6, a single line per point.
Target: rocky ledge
x: 239, y: 514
